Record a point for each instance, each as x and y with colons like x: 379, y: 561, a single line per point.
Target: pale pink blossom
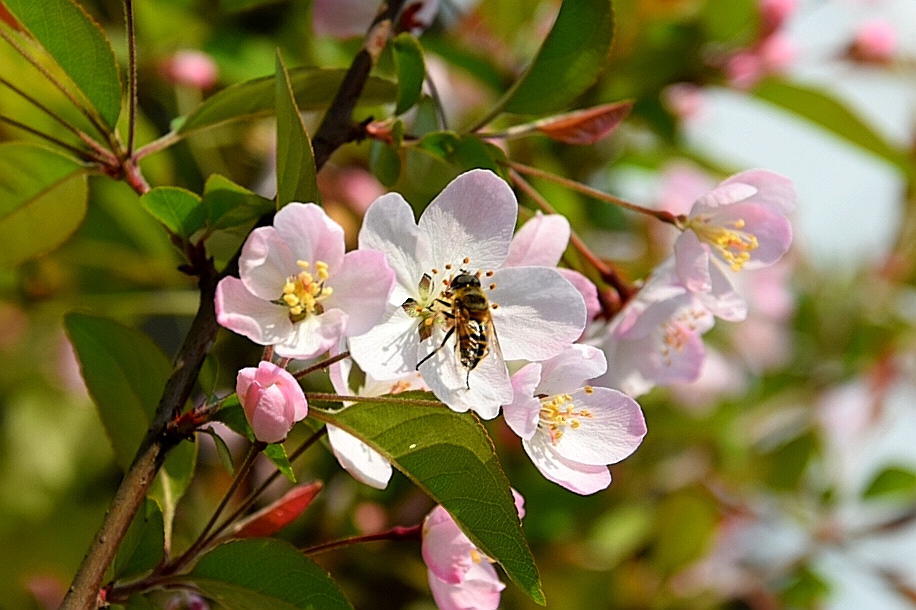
x: 572, y: 431
x: 541, y: 242
x: 740, y: 224
x: 272, y: 399
x: 719, y: 377
x: 191, y: 68
x: 349, y: 18
x: 460, y: 576
x: 772, y: 55
x: 534, y: 313
x: 685, y: 100
x: 875, y: 42
x: 298, y: 290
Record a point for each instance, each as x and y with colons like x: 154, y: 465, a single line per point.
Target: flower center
x: 560, y: 411
x: 732, y: 243
x: 303, y: 294
x: 676, y: 333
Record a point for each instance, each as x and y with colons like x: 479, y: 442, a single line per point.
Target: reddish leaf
x: 585, y: 126
x: 272, y: 519
x: 7, y: 18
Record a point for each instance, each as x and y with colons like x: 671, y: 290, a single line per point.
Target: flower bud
x: 272, y: 399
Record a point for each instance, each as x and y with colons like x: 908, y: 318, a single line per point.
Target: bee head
x: 464, y: 280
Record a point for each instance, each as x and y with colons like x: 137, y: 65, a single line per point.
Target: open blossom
x: 572, y: 431
x: 522, y: 313
x: 460, y: 576
x: 740, y: 224
x: 298, y: 290
x: 272, y: 399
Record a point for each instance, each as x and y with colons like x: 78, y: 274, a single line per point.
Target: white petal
x: 614, y: 430
x: 310, y: 234
x: 266, y: 263
x: 389, y: 227
x: 725, y: 194
x: 722, y: 300
x: 361, y: 287
x: 314, y: 335
x: 359, y: 459
x: 538, y: 312
x: 242, y: 312
x: 540, y: 242
x: 570, y: 369
x: 523, y: 413
x: 586, y: 288
x: 480, y: 590
x: 622, y: 373
x: 472, y: 218
x: 580, y: 478
x: 388, y: 350
x: 692, y: 260
x: 773, y: 190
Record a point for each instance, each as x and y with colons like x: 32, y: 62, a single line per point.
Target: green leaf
x: 297, y: 178
x: 172, y: 481
x: 222, y: 449
x: 276, y: 453
x: 233, y: 415
x: 451, y: 458
x: 831, y: 115
x: 892, y: 481
x: 42, y: 200
x: 143, y: 546
x: 384, y: 162
x: 411, y: 69
x: 265, y: 573
x: 229, y: 205
x: 78, y: 44
x: 178, y: 209
x: 572, y: 56
x: 314, y: 88
x: 125, y: 373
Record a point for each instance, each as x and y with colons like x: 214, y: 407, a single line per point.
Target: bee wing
x: 493, y: 339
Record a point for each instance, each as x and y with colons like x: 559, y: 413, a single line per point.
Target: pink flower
x: 739, y: 224
x: 774, y: 14
x: 272, y: 399
x: 541, y: 242
x: 685, y: 100
x: 460, y: 576
x: 298, y: 290
x: 191, y: 68
x: 875, y: 42
x: 569, y: 430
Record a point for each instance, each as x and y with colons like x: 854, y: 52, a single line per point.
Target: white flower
x: 531, y: 313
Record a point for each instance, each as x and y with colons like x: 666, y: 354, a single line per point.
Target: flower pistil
x: 303, y: 294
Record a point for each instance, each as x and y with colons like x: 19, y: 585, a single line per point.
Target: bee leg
x: 432, y: 353
x: 467, y: 381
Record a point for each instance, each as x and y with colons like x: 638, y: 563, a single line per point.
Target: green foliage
x: 143, y: 545
x: 178, y: 209
x: 451, y: 458
x: 296, y: 175
x: 229, y: 205
x: 573, y: 55
x: 894, y: 482
x: 411, y: 69
x: 265, y: 573
x: 313, y: 89
x: 42, y: 200
x: 79, y: 46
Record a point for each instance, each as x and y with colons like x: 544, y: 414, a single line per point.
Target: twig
x: 397, y: 533
x: 321, y: 365
x: 132, y: 75
x: 84, y: 155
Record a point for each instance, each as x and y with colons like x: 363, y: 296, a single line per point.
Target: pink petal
x: 446, y: 550
x: 772, y: 230
x: 389, y: 227
x: 310, y: 234
x: 472, y: 218
x: 540, y: 242
x: 538, y: 312
x: 667, y: 364
x: 272, y: 420
x: 571, y: 368
x: 480, y: 590
x: 692, y: 261
x: 522, y: 414
x: 614, y: 430
x: 579, y: 478
x: 586, y: 288
x: 266, y: 263
x: 244, y: 313
x: 361, y: 287
x: 313, y: 336
x: 774, y: 191
x: 722, y: 300
x: 727, y: 193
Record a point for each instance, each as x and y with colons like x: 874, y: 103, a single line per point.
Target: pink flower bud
x: 875, y: 42
x: 272, y: 399
x: 191, y: 68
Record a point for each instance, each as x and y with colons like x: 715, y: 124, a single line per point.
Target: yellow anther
x: 290, y: 299
x: 476, y: 557
x: 303, y: 264
x: 301, y: 293
x: 734, y: 245
x: 588, y: 389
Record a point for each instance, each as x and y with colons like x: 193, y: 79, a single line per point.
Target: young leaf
x: 584, y: 127
x: 892, y: 481
x: 125, y: 373
x: 229, y: 205
x: 451, y: 458
x: 178, y: 209
x: 570, y: 60
x: 143, y: 545
x: 314, y: 88
x: 411, y: 69
x: 79, y: 46
x: 826, y: 112
x: 222, y: 449
x: 271, y: 519
x: 297, y: 178
x: 233, y: 415
x: 384, y: 162
x: 172, y: 481
x: 276, y: 453
x: 42, y: 200
x: 265, y: 573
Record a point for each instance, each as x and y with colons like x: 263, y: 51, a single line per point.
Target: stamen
x: 733, y: 244
x: 302, y: 294
x: 558, y: 412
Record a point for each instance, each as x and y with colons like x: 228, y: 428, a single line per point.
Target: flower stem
x: 319, y: 396
x: 82, y: 155
x: 132, y: 75
x: 321, y: 365
x: 397, y: 533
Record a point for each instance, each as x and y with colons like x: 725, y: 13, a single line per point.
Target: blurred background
x: 784, y: 478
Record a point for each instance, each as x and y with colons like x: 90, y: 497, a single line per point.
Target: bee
x: 472, y: 325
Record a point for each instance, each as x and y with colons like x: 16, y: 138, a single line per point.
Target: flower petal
x: 473, y: 218
x: 722, y: 300
x: 586, y: 288
x: 692, y: 262
x: 359, y: 459
x: 772, y: 230
x: 310, y: 234
x: 579, y: 478
x: 388, y: 350
x: 313, y: 336
x: 774, y: 191
x: 389, y: 227
x: 446, y: 549
x: 244, y: 313
x: 266, y: 263
x: 361, y: 287
x: 480, y: 590
x: 726, y: 193
x: 571, y: 368
x: 540, y: 242
x: 538, y: 313
x: 614, y: 429
x: 522, y: 414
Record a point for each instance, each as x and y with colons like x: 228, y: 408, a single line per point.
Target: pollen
x: 466, y: 260
x: 495, y: 305
x: 559, y: 412
x: 489, y: 274
x: 492, y: 286
x: 448, y: 267
x: 730, y: 240
x: 302, y: 293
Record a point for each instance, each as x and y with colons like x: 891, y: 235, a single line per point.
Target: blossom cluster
x: 460, y: 304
